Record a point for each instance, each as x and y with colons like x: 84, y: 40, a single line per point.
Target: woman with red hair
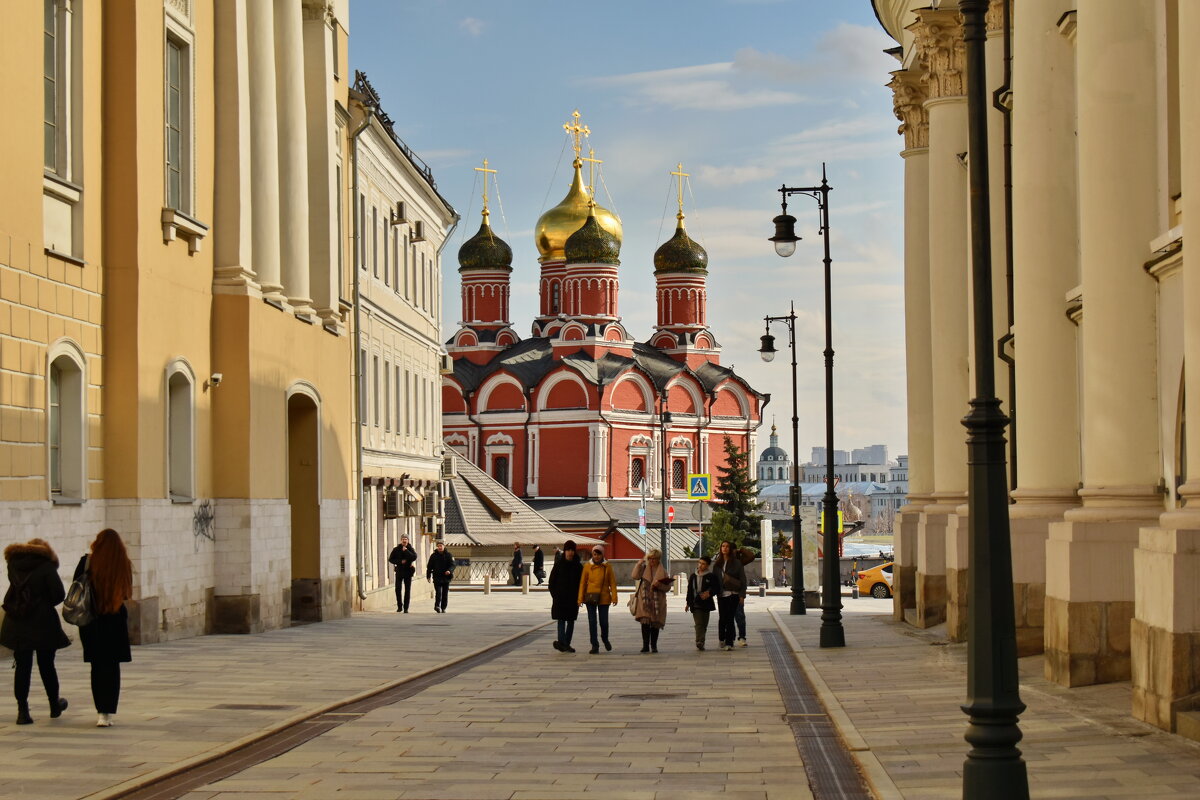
x: 106, y: 638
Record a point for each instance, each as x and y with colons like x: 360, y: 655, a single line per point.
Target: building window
x: 399, y: 400
x: 50, y: 72
x: 341, y: 227
x: 637, y: 474
x: 65, y: 437
x: 677, y: 473
x: 387, y: 394
x: 362, y: 387
x: 554, y: 297
x: 180, y: 416
x: 375, y: 241
x: 62, y: 99
x: 176, y: 126
x: 500, y: 470
x: 408, y: 386
x: 375, y: 390
x: 362, y: 236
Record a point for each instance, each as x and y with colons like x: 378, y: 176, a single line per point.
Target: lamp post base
x: 812, y: 599
x: 799, y: 605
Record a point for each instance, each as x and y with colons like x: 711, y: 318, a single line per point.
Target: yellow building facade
x: 174, y: 302
x: 1098, y: 314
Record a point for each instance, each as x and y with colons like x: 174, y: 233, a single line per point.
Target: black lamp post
x: 664, y: 419
x: 767, y: 351
x: 994, y: 769
x: 785, y: 238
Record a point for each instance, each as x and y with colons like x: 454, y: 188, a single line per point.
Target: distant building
x: 774, y: 466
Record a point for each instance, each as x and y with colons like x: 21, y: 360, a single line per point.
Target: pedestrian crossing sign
x: 700, y: 487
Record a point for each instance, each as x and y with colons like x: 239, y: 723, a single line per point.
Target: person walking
x: 518, y: 564
x: 701, y: 600
x: 650, y: 598
x: 745, y: 555
x: 539, y: 564
x: 106, y: 638
x: 440, y: 569
x: 564, y: 593
x: 404, y: 558
x: 31, y: 625
x: 597, y: 591
x: 731, y: 577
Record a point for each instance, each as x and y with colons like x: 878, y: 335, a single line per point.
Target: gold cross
x: 681, y: 175
x: 593, y: 161
x: 484, y: 169
x: 576, y: 131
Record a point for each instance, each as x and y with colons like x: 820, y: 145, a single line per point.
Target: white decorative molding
x: 177, y: 224
x: 908, y: 104
x: 181, y: 10
x: 938, y: 39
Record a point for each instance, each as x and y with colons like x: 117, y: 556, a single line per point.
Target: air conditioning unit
x: 429, y: 504
x: 400, y: 213
x: 392, y: 507
x: 429, y: 526
x: 450, y: 467
x: 412, y: 507
x: 418, y: 232
x: 445, y: 364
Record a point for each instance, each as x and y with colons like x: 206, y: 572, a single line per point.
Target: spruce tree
x: 738, y: 492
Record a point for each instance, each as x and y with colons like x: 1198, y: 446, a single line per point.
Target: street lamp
x: 664, y: 419
x: 994, y: 768
x: 767, y: 351
x: 785, y: 238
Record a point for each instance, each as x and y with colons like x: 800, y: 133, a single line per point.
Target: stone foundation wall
x: 1029, y: 605
x: 931, y: 600
x: 904, y: 591
x: 956, y: 604
x: 1165, y: 673
x: 1087, y: 642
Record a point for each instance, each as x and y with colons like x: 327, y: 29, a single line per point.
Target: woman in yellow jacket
x: 597, y: 591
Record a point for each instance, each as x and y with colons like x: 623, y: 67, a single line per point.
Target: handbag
x: 592, y: 598
x: 77, y: 608
x: 633, y: 604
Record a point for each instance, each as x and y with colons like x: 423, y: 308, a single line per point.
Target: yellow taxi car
x: 876, y: 581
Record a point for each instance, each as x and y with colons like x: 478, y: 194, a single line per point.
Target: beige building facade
x: 173, y: 302
x: 403, y: 225
x: 1101, y: 319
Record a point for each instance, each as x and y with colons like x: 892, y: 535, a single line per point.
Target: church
x: 582, y: 411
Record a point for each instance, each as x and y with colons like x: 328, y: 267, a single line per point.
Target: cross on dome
x: 577, y: 132
x: 484, y: 169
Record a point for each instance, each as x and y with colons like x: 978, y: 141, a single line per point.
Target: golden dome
x: 560, y: 222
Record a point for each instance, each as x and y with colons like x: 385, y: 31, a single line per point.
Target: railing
x: 500, y: 571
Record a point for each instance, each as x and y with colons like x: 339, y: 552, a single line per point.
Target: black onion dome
x: 592, y: 244
x: 680, y: 253
x: 485, y: 250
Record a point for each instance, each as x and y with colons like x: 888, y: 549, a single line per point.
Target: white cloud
x: 711, y: 87
x: 472, y: 25
x: 856, y: 50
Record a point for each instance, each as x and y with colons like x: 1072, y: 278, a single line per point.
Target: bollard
x: 525, y: 583
x: 762, y: 588
x: 854, y: 592
x: 487, y: 583
x: 679, y: 579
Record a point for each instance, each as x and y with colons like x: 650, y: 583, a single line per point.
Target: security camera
x: 215, y: 380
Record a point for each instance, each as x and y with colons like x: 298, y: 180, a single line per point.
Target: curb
x: 141, y: 781
x: 877, y: 777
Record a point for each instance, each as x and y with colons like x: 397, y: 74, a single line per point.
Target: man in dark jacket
x: 702, y: 592
x: 539, y: 562
x: 404, y: 558
x: 518, y: 564
x: 440, y: 570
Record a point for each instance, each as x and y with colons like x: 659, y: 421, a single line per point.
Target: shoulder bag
x: 77, y: 608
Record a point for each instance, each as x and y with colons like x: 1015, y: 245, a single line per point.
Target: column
x: 1166, y: 625
x: 1045, y: 268
x: 1089, y: 589
x: 293, y: 155
x: 323, y: 147
x: 938, y: 39
x: 909, y: 99
x: 264, y: 151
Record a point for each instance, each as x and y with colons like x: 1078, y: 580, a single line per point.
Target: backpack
x: 19, y: 601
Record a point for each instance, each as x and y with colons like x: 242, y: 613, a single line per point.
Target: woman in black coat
x: 106, y: 638
x: 31, y: 624
x: 564, y: 592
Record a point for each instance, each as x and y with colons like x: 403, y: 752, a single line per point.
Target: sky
x: 749, y: 95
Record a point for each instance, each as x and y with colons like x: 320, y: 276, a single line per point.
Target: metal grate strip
x: 832, y: 773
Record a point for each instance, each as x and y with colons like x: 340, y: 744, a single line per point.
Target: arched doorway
x: 304, y: 493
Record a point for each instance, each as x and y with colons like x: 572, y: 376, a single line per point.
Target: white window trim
x: 180, y: 222
x: 72, y: 455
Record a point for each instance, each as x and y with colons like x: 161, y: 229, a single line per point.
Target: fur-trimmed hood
x: 34, y: 547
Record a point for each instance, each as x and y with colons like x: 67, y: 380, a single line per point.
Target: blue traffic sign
x: 700, y: 487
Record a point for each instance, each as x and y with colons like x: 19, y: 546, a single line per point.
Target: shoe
x: 653, y: 649
x: 607, y: 644
x: 726, y: 647
x: 699, y: 645
x: 568, y: 649
x: 741, y: 642
x: 644, y: 650
x: 557, y: 645
x: 57, y: 707
x: 594, y: 650
x: 104, y: 721
x: 23, y: 717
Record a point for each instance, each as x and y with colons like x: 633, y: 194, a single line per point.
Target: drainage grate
x: 250, y: 707
x: 275, y: 744
x: 651, y: 696
x: 831, y: 770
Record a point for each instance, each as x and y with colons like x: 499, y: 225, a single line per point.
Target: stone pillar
x: 1046, y: 268
x: 323, y: 147
x: 1089, y: 582
x: 264, y: 150
x: 938, y: 39
x: 909, y: 99
x: 293, y: 155
x: 1165, y: 635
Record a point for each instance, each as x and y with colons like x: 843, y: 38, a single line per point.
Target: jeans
x: 566, y: 629
x: 727, y: 610
x: 23, y: 664
x: 441, y: 593
x: 740, y: 619
x: 106, y: 685
x: 594, y: 610
x: 403, y: 592
x: 700, y: 618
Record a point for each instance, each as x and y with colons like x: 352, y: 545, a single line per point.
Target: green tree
x: 720, y: 529
x: 737, y: 490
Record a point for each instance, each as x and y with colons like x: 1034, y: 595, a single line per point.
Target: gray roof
x: 604, y: 513
x: 818, y: 489
x: 681, y: 542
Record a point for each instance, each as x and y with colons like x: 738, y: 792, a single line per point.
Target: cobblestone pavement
x: 896, y: 692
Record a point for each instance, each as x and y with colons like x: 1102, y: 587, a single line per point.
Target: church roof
x: 592, y: 244
x: 485, y: 250
x: 774, y: 454
x: 680, y: 253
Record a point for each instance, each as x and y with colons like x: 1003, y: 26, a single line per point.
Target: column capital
x: 908, y: 104
x: 938, y: 38
x: 995, y: 15
x: 319, y: 10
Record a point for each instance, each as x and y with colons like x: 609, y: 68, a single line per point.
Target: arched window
x: 554, y: 298
x: 64, y: 438
x: 677, y: 473
x: 770, y: 473
x: 637, y: 473
x: 500, y: 470
x: 179, y: 436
